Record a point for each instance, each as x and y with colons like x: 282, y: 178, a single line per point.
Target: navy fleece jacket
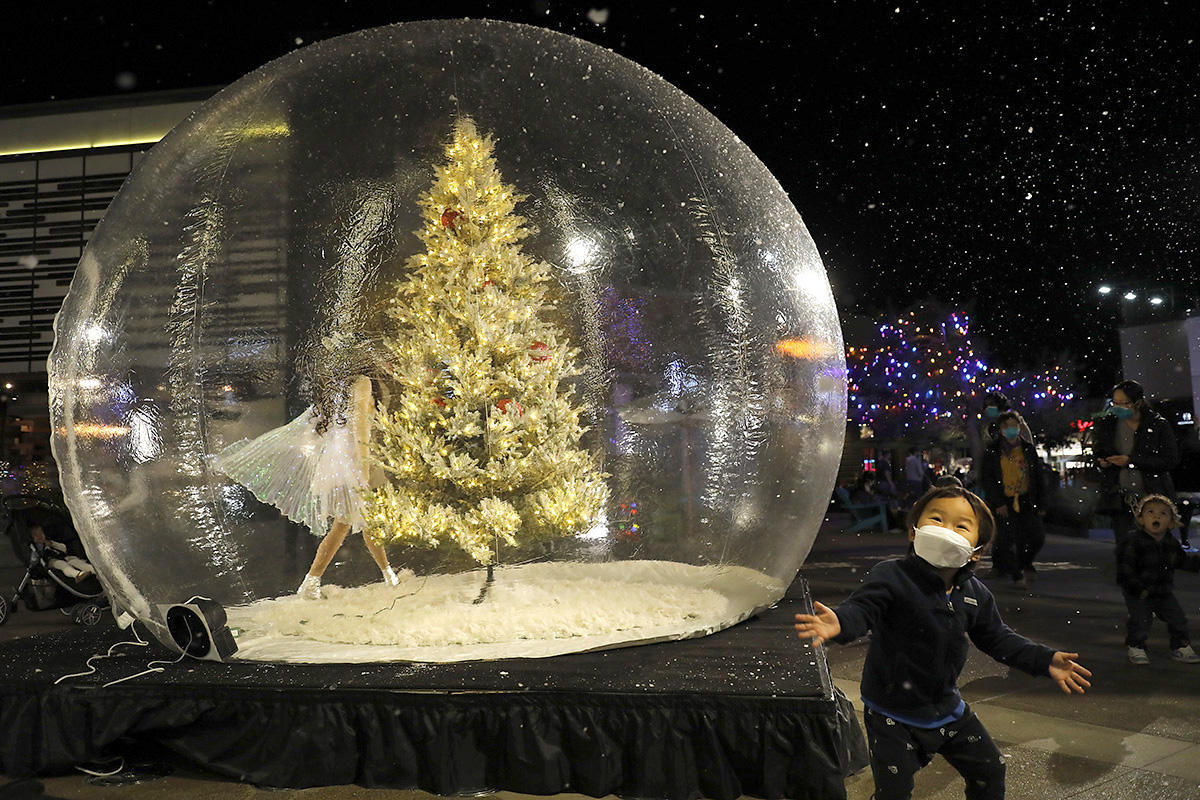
x: 919, y: 636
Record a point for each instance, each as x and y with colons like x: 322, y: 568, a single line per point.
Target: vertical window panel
x: 49, y: 207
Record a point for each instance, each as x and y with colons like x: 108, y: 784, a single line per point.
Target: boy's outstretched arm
x: 819, y: 627
x: 993, y: 637
x: 856, y: 615
x: 1068, y: 674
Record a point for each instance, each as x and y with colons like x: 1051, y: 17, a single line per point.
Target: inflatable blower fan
x: 198, y: 629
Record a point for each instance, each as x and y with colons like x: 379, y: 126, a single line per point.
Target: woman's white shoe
x: 310, y: 588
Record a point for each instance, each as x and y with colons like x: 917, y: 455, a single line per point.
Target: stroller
x: 57, y: 574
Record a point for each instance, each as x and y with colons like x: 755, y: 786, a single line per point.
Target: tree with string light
x: 481, y: 440
x: 916, y: 376
x: 920, y: 374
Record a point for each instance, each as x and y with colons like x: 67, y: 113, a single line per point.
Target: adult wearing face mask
x: 995, y: 404
x: 988, y: 430
x: 1011, y: 479
x: 1136, y: 450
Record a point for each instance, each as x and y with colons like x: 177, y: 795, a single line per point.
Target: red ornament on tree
x: 507, y: 403
x: 437, y: 401
x: 539, y: 351
x: 450, y: 218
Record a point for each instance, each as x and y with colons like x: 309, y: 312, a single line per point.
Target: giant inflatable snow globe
x: 499, y: 303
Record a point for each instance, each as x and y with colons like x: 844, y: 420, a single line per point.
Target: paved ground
x: 1135, y: 735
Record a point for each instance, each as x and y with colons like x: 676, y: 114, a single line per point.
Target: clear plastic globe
x: 285, y: 208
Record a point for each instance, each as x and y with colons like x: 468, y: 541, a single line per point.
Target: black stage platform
x: 747, y: 711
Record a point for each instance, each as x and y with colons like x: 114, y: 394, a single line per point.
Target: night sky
x: 1014, y: 156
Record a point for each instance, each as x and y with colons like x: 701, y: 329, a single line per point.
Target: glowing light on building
x: 806, y: 349
x: 94, y: 430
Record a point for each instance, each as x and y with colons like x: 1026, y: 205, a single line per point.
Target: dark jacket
x: 1144, y: 565
x: 991, y: 476
x: 919, y: 636
x: 1155, y: 453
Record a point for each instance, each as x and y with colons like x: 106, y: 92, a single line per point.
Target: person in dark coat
x: 921, y: 610
x: 1146, y: 564
x: 1011, y: 480
x: 1135, y: 449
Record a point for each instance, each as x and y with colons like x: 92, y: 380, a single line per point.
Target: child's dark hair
x: 1008, y: 415
x: 983, y: 514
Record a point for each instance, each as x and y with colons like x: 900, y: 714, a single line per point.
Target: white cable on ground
x: 150, y: 665
x: 95, y: 774
x: 91, y: 668
x: 149, y: 668
x: 138, y: 642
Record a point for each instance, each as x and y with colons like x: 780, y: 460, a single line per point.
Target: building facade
x: 61, y: 164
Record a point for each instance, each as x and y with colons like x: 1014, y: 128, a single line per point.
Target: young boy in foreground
x: 920, y: 610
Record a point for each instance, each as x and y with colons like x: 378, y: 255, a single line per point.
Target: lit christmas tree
x: 923, y: 374
x: 480, y: 441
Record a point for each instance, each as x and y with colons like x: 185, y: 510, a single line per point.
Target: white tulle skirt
x: 312, y: 478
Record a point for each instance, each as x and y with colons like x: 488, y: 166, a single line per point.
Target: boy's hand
x: 819, y: 627
x: 1118, y: 461
x: 1070, y: 676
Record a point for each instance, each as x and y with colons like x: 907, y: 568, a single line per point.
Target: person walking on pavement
x: 1011, y: 479
x: 987, y: 431
x: 1146, y: 564
x: 916, y: 475
x: 1187, y: 509
x: 995, y: 404
x: 1135, y: 449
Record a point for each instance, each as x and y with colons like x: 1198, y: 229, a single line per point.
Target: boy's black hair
x: 986, y: 523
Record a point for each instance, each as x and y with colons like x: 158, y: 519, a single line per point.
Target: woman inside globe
x: 315, y: 468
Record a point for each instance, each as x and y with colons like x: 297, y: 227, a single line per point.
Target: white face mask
x: 942, y: 547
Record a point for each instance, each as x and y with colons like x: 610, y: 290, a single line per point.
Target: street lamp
x: 1140, y: 303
